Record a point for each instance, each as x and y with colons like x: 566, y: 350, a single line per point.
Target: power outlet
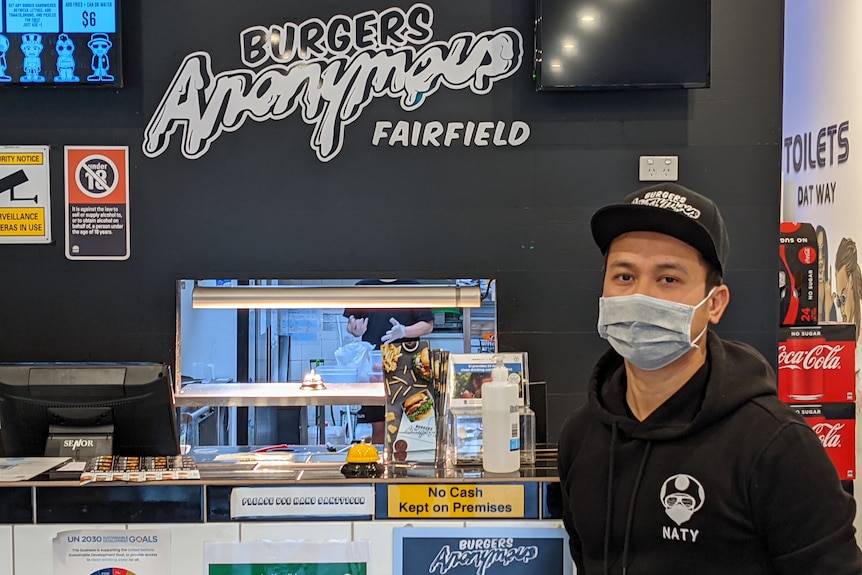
x: 658, y: 168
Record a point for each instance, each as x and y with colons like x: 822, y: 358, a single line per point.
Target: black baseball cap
x: 668, y: 209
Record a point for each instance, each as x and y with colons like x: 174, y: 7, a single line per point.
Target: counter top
x: 309, y: 464
x: 530, y: 493
x: 311, y: 474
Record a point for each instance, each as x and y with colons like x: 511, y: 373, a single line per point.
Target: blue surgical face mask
x: 649, y: 332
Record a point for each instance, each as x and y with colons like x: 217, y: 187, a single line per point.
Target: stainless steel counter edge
x: 274, y: 479
x: 279, y: 394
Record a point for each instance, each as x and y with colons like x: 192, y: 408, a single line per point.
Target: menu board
x: 60, y: 43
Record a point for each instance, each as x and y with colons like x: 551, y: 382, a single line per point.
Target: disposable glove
x: 357, y: 327
x: 396, y: 332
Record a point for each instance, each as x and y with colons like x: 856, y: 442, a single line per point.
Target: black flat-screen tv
x: 82, y: 410
x: 60, y: 43
x: 622, y: 44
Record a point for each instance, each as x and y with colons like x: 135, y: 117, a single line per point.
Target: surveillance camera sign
x: 97, y: 203
x: 25, y: 198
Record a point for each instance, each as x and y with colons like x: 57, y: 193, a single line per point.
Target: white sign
x: 25, y: 195
x: 318, y: 501
x: 133, y: 551
x: 287, y: 557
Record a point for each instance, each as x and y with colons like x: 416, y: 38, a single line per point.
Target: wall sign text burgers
x: 330, y: 71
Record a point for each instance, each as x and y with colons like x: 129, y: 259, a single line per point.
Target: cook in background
x: 379, y: 326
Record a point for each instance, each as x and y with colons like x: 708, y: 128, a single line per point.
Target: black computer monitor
x: 81, y: 410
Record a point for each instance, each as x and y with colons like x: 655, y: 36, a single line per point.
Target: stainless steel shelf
x: 279, y: 394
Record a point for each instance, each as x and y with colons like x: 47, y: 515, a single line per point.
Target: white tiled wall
x: 187, y: 542
x: 5, y: 550
x: 331, y: 336
x: 300, y: 530
x: 28, y: 549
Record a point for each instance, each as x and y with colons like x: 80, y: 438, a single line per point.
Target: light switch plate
x: 658, y: 168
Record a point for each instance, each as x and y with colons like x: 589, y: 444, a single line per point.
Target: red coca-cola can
x: 817, y: 363
x: 799, y: 359
x: 835, y: 426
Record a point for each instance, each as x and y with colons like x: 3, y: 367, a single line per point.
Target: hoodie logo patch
x: 682, y: 496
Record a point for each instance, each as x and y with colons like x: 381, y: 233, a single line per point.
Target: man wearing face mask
x: 684, y: 460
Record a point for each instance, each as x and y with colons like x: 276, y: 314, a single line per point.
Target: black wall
x: 260, y: 204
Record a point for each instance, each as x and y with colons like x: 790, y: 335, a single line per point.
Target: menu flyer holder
x: 414, y: 376
x: 411, y: 431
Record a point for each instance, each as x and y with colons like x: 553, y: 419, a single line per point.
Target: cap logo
x: 668, y: 201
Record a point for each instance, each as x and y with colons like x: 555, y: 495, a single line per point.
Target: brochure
x: 469, y: 371
x: 24, y: 468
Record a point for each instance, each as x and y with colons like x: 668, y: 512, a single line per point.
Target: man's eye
x: 668, y: 280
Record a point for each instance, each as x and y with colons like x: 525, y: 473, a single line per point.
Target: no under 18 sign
x: 97, y: 203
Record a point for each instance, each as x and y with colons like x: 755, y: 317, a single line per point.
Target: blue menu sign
x: 60, y: 42
x: 42, y: 16
x: 481, y: 551
x: 89, y: 16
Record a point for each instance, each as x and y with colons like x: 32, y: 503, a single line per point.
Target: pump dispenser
x: 501, y: 439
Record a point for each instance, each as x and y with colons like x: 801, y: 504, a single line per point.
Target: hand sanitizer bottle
x: 501, y: 439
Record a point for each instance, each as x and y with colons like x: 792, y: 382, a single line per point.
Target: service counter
x: 236, y: 501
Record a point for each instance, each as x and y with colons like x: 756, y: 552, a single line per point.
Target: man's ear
x: 718, y: 302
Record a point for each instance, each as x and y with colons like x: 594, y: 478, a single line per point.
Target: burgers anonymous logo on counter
x: 480, y: 550
x: 331, y: 71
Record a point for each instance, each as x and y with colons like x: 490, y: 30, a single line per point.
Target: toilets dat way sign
x: 96, y: 206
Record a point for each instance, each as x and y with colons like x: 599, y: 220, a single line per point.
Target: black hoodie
x: 721, y: 479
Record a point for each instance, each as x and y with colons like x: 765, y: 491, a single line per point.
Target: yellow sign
x: 455, y: 500
x: 22, y: 221
x: 22, y: 159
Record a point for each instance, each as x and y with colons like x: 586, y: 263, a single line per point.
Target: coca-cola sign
x: 829, y: 433
x: 817, y: 364
x: 834, y: 424
x: 823, y: 356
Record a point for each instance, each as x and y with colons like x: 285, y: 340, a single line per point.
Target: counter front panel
x: 129, y: 503
x: 16, y: 505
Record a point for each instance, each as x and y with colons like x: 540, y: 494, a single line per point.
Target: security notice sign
x: 97, y: 203
x: 25, y: 195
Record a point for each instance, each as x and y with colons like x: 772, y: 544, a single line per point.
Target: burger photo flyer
x: 411, y: 429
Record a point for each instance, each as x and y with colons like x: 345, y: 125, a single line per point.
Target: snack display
x: 139, y: 469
